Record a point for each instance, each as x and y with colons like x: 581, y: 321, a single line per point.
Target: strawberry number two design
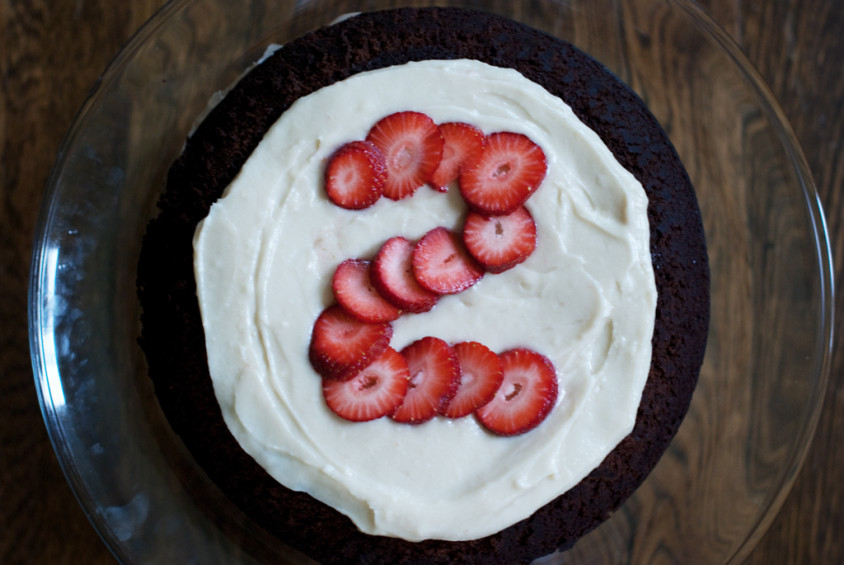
x: 363, y: 378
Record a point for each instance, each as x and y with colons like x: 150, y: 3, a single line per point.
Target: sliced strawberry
x: 374, y: 392
x: 463, y: 143
x: 341, y: 345
x: 508, y: 170
x: 526, y: 395
x: 355, y: 175
x: 434, y: 378
x: 441, y: 263
x: 412, y: 146
x: 353, y: 289
x: 392, y: 275
x: 499, y: 243
x: 481, y: 375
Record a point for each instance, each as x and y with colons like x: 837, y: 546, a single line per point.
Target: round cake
x: 174, y: 341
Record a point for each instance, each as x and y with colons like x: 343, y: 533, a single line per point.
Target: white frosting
x: 585, y: 298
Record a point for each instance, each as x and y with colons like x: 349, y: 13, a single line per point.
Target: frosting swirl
x: 585, y: 298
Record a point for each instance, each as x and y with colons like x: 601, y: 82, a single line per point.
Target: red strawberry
x: 374, y: 392
x: 526, y: 396
x: 412, y: 146
x: 499, y: 243
x: 434, y: 378
x: 463, y: 143
x: 480, y: 376
x: 355, y: 175
x: 441, y: 263
x: 509, y: 169
x: 392, y: 276
x: 354, y: 291
x: 341, y: 345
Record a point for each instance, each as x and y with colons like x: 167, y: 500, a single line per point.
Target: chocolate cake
x: 172, y: 335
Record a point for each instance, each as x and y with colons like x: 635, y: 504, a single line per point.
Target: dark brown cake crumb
x: 172, y: 336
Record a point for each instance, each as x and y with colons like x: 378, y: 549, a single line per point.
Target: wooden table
x: 51, y: 54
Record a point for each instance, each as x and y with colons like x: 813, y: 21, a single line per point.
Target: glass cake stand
x: 727, y: 472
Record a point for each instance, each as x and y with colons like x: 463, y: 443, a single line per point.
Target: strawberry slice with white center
x: 481, y: 374
x: 353, y: 289
x: 441, y: 263
x: 341, y: 345
x: 392, y: 275
x: 355, y: 175
x: 463, y: 143
x: 412, y: 146
x: 507, y: 172
x: 374, y: 392
x: 434, y: 378
x: 499, y: 243
x: 525, y: 397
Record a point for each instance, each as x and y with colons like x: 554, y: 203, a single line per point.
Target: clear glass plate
x: 752, y: 417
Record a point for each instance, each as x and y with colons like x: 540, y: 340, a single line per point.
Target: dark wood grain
x: 51, y: 54
x: 798, y: 47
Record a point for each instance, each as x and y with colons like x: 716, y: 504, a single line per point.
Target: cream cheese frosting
x: 585, y: 298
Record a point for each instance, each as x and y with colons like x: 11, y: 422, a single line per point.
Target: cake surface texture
x: 172, y: 333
